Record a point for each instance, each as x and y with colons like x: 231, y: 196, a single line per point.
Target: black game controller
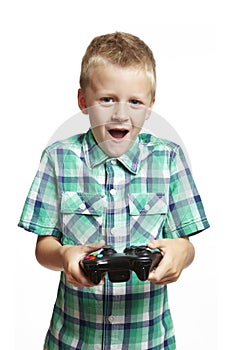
x: 119, y: 265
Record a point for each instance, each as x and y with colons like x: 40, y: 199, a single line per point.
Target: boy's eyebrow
x: 134, y: 95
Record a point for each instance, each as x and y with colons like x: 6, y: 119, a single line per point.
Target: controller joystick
x: 119, y: 266
x: 108, y: 250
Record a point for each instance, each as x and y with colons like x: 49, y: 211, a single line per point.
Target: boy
x: 113, y: 185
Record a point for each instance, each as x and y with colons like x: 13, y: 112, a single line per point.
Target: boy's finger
x: 158, y: 243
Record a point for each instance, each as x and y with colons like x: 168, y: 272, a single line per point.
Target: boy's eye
x: 135, y: 102
x: 106, y: 99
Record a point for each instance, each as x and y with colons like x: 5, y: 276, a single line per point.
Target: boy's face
x: 118, y: 101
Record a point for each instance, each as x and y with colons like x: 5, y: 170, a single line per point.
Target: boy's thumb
x: 92, y: 247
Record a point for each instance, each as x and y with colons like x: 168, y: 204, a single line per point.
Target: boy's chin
x: 116, y: 149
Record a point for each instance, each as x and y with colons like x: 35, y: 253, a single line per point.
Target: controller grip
x: 93, y: 275
x: 156, y: 260
x: 142, y: 272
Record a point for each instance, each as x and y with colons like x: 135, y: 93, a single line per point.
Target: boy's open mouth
x: 118, y: 133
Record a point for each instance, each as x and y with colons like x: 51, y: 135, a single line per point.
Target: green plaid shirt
x: 81, y: 196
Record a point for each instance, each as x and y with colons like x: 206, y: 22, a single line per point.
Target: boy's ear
x: 82, y: 101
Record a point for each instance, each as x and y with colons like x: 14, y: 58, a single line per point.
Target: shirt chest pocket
x: 82, y: 203
x: 82, y: 217
x: 147, y: 213
x: 147, y: 203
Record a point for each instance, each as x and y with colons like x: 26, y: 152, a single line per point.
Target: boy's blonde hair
x: 122, y: 49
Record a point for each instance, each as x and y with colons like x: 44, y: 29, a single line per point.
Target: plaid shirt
x: 81, y: 196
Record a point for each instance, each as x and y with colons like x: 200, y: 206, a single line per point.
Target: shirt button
x: 113, y: 161
x: 147, y: 207
x: 113, y: 191
x: 111, y: 319
x: 114, y: 231
x: 82, y: 206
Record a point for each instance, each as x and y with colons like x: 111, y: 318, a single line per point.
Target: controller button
x: 87, y: 257
x: 142, y: 251
x: 99, y: 256
x: 93, y: 257
x: 107, y: 247
x: 141, y: 248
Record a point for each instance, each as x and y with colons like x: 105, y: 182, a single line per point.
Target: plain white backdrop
x: 42, y: 45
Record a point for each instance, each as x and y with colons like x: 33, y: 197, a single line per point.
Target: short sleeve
x: 41, y: 209
x: 186, y: 215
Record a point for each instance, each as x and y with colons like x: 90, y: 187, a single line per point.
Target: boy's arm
x: 53, y: 255
x: 178, y: 253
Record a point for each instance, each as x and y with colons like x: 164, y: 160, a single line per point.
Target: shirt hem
x: 188, y: 229
x: 39, y: 230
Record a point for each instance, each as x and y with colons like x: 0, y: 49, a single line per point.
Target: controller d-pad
x: 130, y: 250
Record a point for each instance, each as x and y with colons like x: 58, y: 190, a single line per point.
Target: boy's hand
x: 52, y: 255
x: 178, y: 253
x: 71, y: 257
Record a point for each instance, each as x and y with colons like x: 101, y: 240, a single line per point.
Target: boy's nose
x: 121, y: 112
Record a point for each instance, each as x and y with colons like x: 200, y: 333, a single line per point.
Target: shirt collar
x: 94, y: 155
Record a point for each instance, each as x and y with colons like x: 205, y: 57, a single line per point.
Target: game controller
x: 118, y: 266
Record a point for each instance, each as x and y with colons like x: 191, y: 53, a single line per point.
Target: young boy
x: 119, y: 186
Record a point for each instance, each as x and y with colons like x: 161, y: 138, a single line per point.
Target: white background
x: 42, y: 43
